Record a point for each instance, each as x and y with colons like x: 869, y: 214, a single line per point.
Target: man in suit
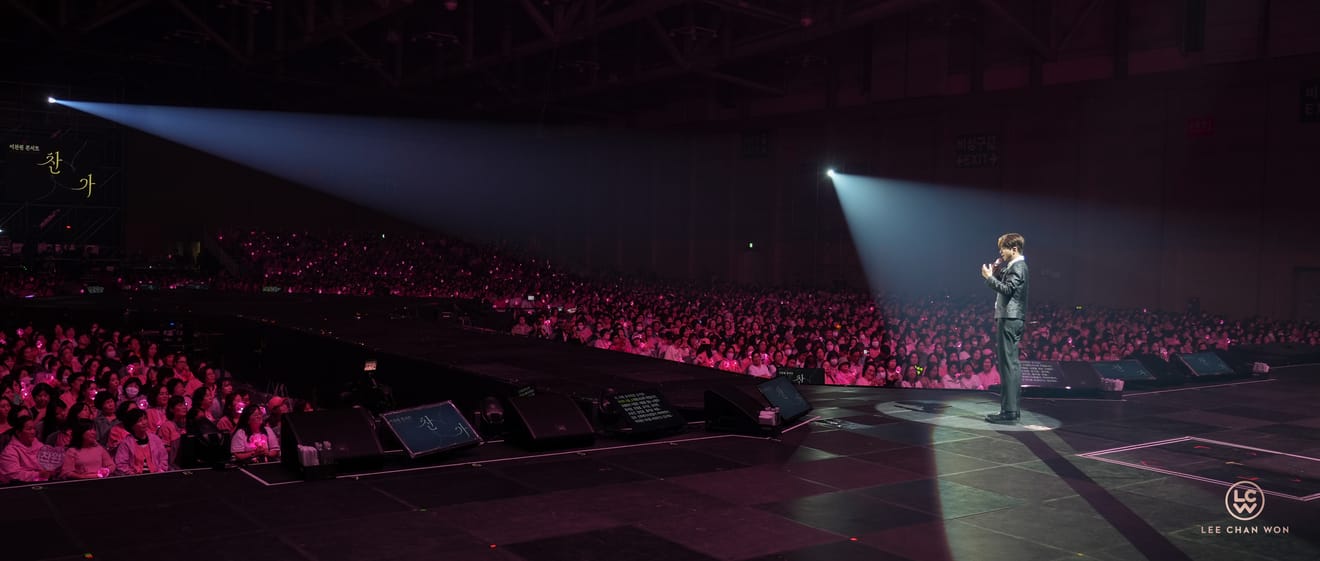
x: 1011, y: 288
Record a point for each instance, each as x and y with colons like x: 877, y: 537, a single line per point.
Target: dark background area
x: 1151, y: 152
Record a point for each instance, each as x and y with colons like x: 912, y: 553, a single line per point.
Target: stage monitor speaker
x: 782, y: 394
x: 350, y: 432
x: 1164, y: 373
x: 641, y: 414
x: 1206, y: 365
x: 431, y: 429
x: 549, y: 420
x: 729, y: 409
x: 1131, y: 371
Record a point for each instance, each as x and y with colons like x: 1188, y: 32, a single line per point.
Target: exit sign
x: 1203, y: 125
x: 1310, y: 101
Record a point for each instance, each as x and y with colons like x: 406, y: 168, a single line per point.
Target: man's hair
x: 1012, y: 241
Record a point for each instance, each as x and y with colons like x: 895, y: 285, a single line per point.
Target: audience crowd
x: 96, y: 402
x: 856, y: 338
x: 92, y: 403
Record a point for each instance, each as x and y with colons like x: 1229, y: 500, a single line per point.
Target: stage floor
x: 881, y: 475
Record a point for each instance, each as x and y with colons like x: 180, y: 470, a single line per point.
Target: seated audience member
x: 41, y: 398
x: 174, y: 428
x: 135, y: 369
x: 253, y: 439
x: 943, y: 368
x: 869, y: 377
x: 5, y: 407
x: 198, y: 421
x: 11, y: 387
x: 224, y: 389
x: 158, y: 398
x: 676, y: 351
x: 234, y: 408
x: 989, y: 376
x: 152, y: 359
x: 950, y: 382
x: 758, y: 368
x: 204, y: 397
x: 104, y: 406
x: 85, y: 458
x: 111, y: 382
x: 118, y: 431
x: 19, y: 460
x: 844, y: 375
x: 276, y: 409
x: 11, y: 420
x: 183, y: 372
x: 217, y: 401
x: 176, y: 388
x: 50, y: 423
x: 911, y: 379
x: 703, y: 358
x: 890, y: 378
x: 141, y: 451
x: 931, y: 379
x: 89, y: 393
x: 63, y: 435
x: 967, y: 379
x: 243, y: 395
x: 131, y: 390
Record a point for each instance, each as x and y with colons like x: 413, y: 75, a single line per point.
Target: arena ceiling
x: 507, y: 59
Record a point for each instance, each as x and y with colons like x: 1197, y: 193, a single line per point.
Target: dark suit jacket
x: 1011, y: 288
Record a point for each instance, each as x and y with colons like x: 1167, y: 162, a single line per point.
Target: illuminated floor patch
x: 1222, y: 463
x: 964, y: 414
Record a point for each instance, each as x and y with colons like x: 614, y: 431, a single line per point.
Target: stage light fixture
x: 830, y: 172
x: 50, y: 99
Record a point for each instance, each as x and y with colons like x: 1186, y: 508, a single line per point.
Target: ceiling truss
x: 508, y: 53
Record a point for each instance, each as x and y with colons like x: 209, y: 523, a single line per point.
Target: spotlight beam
x: 453, y: 176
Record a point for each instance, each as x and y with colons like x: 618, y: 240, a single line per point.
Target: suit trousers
x: 1010, y: 368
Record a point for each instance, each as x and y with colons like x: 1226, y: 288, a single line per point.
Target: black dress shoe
x: 1005, y: 418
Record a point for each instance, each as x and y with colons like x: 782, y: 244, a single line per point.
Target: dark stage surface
x: 858, y: 484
